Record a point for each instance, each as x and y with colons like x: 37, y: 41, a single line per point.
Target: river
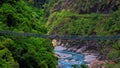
x: 68, y: 59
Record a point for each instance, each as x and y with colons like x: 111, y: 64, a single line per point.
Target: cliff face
x: 86, y: 18
x: 79, y: 17
x: 85, y: 6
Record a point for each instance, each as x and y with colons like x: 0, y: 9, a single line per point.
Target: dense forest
x: 24, y: 52
x: 56, y: 17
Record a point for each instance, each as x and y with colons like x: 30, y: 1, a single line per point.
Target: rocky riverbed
x: 69, y: 56
x: 67, y: 59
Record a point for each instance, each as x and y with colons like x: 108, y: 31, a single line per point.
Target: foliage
x: 84, y: 6
x: 22, y: 15
x: 84, y: 66
x: 38, y: 3
x: 112, y: 65
x: 76, y: 24
x: 6, y: 59
x: 24, y: 52
x: 69, y: 17
x: 113, y: 55
x: 66, y: 22
x: 30, y: 54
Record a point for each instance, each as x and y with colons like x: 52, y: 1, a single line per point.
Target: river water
x: 68, y: 59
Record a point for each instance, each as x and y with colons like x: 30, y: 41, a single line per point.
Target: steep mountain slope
x: 86, y: 18
x: 84, y: 6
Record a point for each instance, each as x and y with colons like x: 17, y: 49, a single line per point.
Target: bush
x: 6, y: 59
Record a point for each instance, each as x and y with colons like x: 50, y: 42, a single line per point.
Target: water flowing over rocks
x: 66, y: 58
x: 63, y: 55
x: 87, y: 49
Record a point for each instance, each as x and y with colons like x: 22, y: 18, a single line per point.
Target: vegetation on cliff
x: 78, y: 18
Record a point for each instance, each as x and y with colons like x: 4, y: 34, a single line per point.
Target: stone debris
x: 59, y: 48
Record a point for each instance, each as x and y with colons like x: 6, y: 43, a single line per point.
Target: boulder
x: 54, y: 42
x: 96, y: 64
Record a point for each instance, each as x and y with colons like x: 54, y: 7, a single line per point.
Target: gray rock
x: 79, y: 50
x: 89, y: 58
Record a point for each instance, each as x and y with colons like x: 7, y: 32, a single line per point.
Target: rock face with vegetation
x: 84, y: 6
x: 87, y: 18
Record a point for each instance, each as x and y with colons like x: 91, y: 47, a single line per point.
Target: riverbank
x: 67, y: 59
x: 90, y: 58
